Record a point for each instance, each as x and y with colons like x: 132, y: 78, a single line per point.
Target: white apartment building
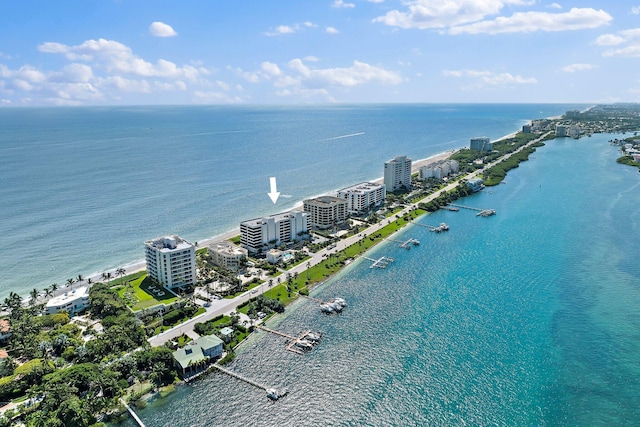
x: 72, y: 302
x: 226, y: 254
x: 397, y: 173
x: 363, y: 197
x: 257, y: 235
x: 439, y: 170
x: 326, y: 211
x: 171, y: 260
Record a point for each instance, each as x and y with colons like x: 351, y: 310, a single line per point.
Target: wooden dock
x: 407, y: 244
x: 132, y: 413
x: 481, y: 212
x: 240, y: 377
x: 381, y: 262
x: 291, y: 346
x: 282, y: 334
x: 439, y: 229
x: 319, y: 301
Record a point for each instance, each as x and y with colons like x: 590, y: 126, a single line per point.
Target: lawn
x: 143, y: 293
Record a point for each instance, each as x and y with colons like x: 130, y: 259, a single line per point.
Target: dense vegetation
x: 71, y: 379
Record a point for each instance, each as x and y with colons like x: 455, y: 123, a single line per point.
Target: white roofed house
x: 72, y: 302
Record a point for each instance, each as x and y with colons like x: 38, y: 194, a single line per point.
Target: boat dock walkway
x: 132, y: 413
x: 291, y: 346
x: 407, y: 244
x: 439, y: 229
x: 319, y: 301
x: 481, y: 212
x: 240, y: 377
x: 381, y: 262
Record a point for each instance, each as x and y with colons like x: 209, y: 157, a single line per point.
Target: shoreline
x: 141, y: 264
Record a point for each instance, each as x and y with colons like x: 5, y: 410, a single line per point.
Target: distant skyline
x: 318, y: 51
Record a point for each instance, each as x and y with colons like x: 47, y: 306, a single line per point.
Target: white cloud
x: 628, y: 40
x: 425, y: 14
x: 375, y: 1
x: 489, y: 78
x: 342, y: 4
x: 577, y: 67
x: 554, y: 6
x: 635, y: 10
x: 331, y: 30
x: 271, y: 69
x: 311, y: 58
x: 357, y: 74
x: 160, y: 29
x: 575, y: 19
x: 281, y: 29
x: 609, y: 40
x: 470, y: 16
x: 117, y: 58
x: 204, y: 97
x: 290, y: 29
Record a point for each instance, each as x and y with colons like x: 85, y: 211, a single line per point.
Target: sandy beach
x: 140, y: 265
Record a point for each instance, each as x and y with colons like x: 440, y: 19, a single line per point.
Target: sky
x: 254, y: 52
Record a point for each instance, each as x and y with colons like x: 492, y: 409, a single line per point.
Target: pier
x: 481, y: 212
x: 272, y: 393
x: 240, y: 377
x: 296, y: 344
x: 407, y: 244
x: 333, y: 305
x: 381, y: 262
x: 132, y: 413
x: 439, y: 229
x: 319, y: 301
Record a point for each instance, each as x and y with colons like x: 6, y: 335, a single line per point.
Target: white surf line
x: 343, y: 136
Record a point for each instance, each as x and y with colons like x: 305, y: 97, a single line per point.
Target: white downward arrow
x: 273, y: 194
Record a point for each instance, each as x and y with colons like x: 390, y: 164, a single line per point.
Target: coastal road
x: 225, y: 306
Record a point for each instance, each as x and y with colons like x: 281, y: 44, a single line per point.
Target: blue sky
x: 317, y: 51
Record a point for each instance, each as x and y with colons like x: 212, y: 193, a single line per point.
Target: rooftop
x: 169, y: 243
x: 81, y: 292
x: 362, y: 187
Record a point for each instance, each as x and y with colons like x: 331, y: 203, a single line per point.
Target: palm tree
x: 47, y: 292
x: 107, y: 276
x: 34, y: 296
x: 54, y: 287
x: 120, y: 271
x: 70, y: 283
x: 89, y: 281
x: 308, y: 267
x: 79, y: 278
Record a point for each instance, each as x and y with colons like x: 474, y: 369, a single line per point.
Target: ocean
x: 528, y: 317
x: 84, y: 188
x: 525, y: 318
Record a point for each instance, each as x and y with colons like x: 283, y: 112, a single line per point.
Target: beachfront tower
x: 260, y: 234
x: 326, y: 211
x: 364, y: 197
x: 397, y: 174
x: 171, y: 260
x: 481, y: 143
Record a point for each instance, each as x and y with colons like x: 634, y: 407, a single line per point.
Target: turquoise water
x: 529, y: 317
x: 83, y: 188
